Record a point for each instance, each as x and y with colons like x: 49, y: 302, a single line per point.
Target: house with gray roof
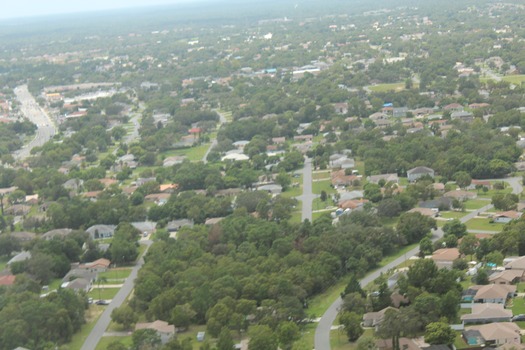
x: 101, y: 231
x: 176, y: 225
x: 418, y: 172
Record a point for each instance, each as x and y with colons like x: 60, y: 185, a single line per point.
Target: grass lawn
x: 103, y: 293
x: 474, y: 204
x: 518, y: 306
x: 491, y: 193
x: 387, y: 87
x: 483, y: 225
x: 339, y: 341
x: 295, y: 190
x: 119, y: 273
x: 514, y: 79
x: 193, y: 154
x: 459, y: 343
x: 318, y: 214
x: 317, y: 175
x: 389, y: 222
x: 325, y: 185
x: 105, y: 341
x: 54, y: 284
x: 318, y: 204
x: 92, y: 315
x: 453, y: 214
x: 297, y: 214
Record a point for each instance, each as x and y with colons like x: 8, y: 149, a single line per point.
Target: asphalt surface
x: 222, y: 120
x: 103, y: 322
x: 322, y: 332
x: 33, y: 112
x: 307, y: 197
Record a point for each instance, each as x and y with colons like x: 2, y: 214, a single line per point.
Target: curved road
x: 322, y: 332
x: 33, y: 112
x: 103, y: 322
x: 222, y: 120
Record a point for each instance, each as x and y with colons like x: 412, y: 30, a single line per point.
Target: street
x: 307, y: 197
x: 34, y: 113
x: 322, y: 332
x: 222, y: 120
x: 103, y: 322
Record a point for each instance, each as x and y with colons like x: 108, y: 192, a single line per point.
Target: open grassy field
x: 453, y: 214
x: 318, y: 175
x: 387, y: 87
x: 193, y: 154
x: 514, y: 79
x: 518, y: 306
x: 118, y: 273
x: 105, y: 341
x: 103, y: 293
x: 325, y: 185
x: 474, y: 204
x: 483, y: 224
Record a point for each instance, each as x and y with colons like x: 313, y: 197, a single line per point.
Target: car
x: 102, y: 302
x: 520, y: 317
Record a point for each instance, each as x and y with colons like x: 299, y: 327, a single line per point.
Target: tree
x: 425, y: 247
x: 145, y: 339
x: 421, y: 273
x: 288, y: 332
x: 124, y: 315
x: 505, y: 202
x: 182, y: 316
x: 284, y: 180
x: 462, y: 178
x: 225, y: 341
x: 439, y: 333
x: 352, y: 325
x: 262, y: 338
x: 468, y: 244
x: 324, y: 196
x: 414, y: 226
x: 389, y: 208
x: 353, y: 286
x: 455, y: 227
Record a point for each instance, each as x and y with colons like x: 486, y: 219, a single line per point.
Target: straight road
x: 322, y: 332
x: 103, y: 322
x: 307, y: 197
x: 222, y: 120
x: 34, y: 113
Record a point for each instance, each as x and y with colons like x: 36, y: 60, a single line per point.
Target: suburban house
x: 517, y: 263
x: 506, y: 277
x: 158, y: 198
x: 76, y: 273
x: 101, y: 231
x: 420, y: 171
x: 424, y: 211
x: 213, y: 221
x: 495, y: 293
x: 7, y: 280
x: 79, y: 284
x: 454, y: 107
x: 492, y: 334
x: 163, y: 329
x: 339, y: 178
x: 404, y: 343
x: 341, y: 161
x: 22, y: 256
x: 460, y: 195
x: 59, y: 232
x: 507, y: 216
x: 444, y: 258
x: 441, y: 203
x: 353, y: 204
x: 99, y: 265
x: 271, y: 188
x: 175, y: 225
x: 386, y: 177
x: 374, y: 319
x: 462, y: 115
x: 487, y: 313
x: 23, y: 236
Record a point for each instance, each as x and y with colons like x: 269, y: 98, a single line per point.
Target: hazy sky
x: 26, y: 8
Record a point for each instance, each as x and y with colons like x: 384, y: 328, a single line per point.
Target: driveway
x: 322, y: 332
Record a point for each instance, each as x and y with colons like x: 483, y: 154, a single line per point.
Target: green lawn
x: 193, y: 154
x: 318, y: 214
x: 296, y: 189
x: 459, y: 343
x: 105, y: 341
x: 321, y: 175
x: 318, y: 204
x: 297, y: 214
x: 339, y: 341
x: 514, y: 79
x: 387, y: 87
x: 483, y: 224
x: 103, y: 293
x: 518, y: 306
x: 475, y: 204
x: 119, y: 273
x: 325, y: 185
x: 491, y: 193
x: 453, y: 214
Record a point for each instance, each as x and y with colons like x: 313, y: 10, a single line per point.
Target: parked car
x: 102, y: 302
x: 520, y: 317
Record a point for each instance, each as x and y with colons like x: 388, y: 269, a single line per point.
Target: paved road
x: 103, y: 322
x: 33, y: 112
x: 322, y: 332
x: 222, y: 120
x: 307, y: 197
